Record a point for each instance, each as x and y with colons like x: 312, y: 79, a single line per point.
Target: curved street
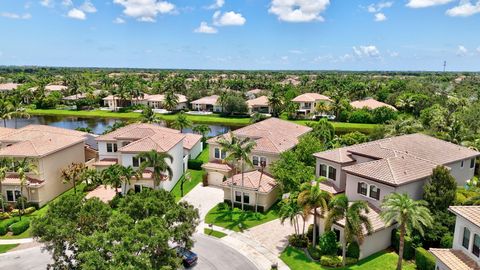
x: 212, y: 253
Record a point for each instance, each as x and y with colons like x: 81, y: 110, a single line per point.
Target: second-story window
x: 472, y: 163
x: 362, y: 188
x: 257, y: 160
x: 219, y: 154
x: 476, y: 245
x: 112, y: 147
x: 374, y: 192
x: 136, y: 162
x: 323, y: 170
x: 466, y: 238
x: 332, y: 173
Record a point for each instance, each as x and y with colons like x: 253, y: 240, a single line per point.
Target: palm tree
x: 203, y: 130
x: 275, y: 101
x: 21, y: 168
x: 6, y: 110
x: 409, y: 214
x: 5, y: 167
x: 355, y: 221
x: 238, y: 150
x: 149, y: 116
x: 291, y: 211
x: 74, y: 174
x: 170, y: 101
x: 311, y: 198
x: 116, y: 175
x: 181, y: 122
x: 158, y: 162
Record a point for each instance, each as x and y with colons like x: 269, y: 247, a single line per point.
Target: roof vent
x: 405, y: 172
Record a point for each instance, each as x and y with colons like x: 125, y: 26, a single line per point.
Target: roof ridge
x: 391, y: 170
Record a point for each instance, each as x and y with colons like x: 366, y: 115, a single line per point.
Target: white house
x: 207, y: 104
x: 308, y: 102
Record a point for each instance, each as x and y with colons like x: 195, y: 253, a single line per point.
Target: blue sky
x: 243, y: 34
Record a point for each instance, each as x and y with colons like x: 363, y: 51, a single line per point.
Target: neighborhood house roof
x: 215, y: 165
x: 135, y: 132
x: 310, y: 97
x: 370, y: 104
x: 210, y: 100
x: 470, y: 213
x: 253, y: 180
x: 9, y: 86
x: 272, y: 135
x: 454, y: 259
x: 374, y: 217
x: 258, y: 102
x: 191, y: 140
x: 160, y: 142
x: 161, y: 98
x: 255, y: 91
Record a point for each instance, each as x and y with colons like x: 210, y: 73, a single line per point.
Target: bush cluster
x: 195, y: 164
x: 424, y: 259
x: 408, y: 249
x: 299, y: 241
x: 19, y: 227
x: 353, y: 250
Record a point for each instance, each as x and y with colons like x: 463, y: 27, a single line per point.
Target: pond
x: 97, y: 125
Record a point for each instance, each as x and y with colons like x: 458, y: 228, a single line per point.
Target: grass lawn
x: 5, y: 248
x: 196, y: 177
x: 204, y: 155
x: 232, y: 219
x: 214, y: 233
x: 297, y: 260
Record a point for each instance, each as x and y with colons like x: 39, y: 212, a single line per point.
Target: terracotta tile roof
x: 135, y: 132
x: 454, y: 259
x: 111, y: 97
x: 470, y: 213
x: 54, y: 87
x: 258, y: 102
x: 217, y: 165
x: 255, y: 91
x: 160, y: 142
x: 9, y: 86
x: 370, y: 104
x: 311, y: 97
x: 393, y: 171
x: 210, y: 100
x: 330, y: 188
x: 191, y: 140
x: 161, y: 98
x: 374, y: 217
x: 272, y: 135
x: 106, y: 162
x: 252, y: 181
x: 13, y: 179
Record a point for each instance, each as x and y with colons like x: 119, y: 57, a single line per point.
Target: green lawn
x: 204, y: 155
x: 236, y: 218
x: 297, y: 260
x: 196, y: 177
x: 5, y: 248
x: 214, y: 233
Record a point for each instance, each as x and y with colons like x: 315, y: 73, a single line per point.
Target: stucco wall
x: 265, y: 200
x: 460, y: 224
x: 102, y: 151
x: 341, y: 175
x: 376, y: 242
x: 195, y: 151
x: 351, y: 191
x: 461, y: 174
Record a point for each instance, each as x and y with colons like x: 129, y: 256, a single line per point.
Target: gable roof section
x: 470, y: 213
x: 261, y: 101
x: 191, y: 140
x: 310, y: 97
x: 135, y: 132
x: 160, y: 142
x: 210, y: 100
x: 454, y: 259
x: 252, y: 181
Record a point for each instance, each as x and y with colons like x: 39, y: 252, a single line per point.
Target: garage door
x: 215, y: 178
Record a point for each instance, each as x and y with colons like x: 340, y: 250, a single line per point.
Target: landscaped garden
x: 195, y: 178
x: 237, y: 220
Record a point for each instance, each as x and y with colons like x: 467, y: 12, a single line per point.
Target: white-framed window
x: 327, y: 171
x: 219, y: 153
x: 246, y: 198
x: 466, y: 238
x: 257, y: 160
x: 112, y: 147
x: 136, y: 162
x: 323, y: 170
x: 374, y: 192
x: 332, y: 173
x: 238, y: 196
x: 476, y: 245
x: 362, y: 188
x: 371, y: 191
x: 13, y: 195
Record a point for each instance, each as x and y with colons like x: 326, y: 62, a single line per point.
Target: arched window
x: 374, y: 192
x: 362, y: 188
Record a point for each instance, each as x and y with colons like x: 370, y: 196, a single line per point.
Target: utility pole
x: 444, y: 65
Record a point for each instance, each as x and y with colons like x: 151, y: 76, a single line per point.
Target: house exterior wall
x: 266, y: 200
x: 352, y: 194
x: 102, y: 151
x: 341, y: 175
x: 271, y: 158
x: 460, y: 224
x: 376, y: 242
x: 195, y: 151
x: 461, y: 174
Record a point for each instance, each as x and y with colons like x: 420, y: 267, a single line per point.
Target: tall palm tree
x: 21, y: 168
x: 6, y: 110
x: 409, y: 214
x: 181, y: 122
x: 149, y: 116
x: 170, y: 101
x: 74, y: 174
x: 116, y: 175
x: 158, y: 162
x: 5, y: 167
x: 291, y: 211
x: 238, y: 150
x: 202, y: 130
x: 313, y: 198
x: 354, y: 214
x: 275, y: 101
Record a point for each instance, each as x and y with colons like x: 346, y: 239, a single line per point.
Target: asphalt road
x: 212, y: 255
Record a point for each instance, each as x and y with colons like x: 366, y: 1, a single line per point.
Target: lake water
x: 98, y: 125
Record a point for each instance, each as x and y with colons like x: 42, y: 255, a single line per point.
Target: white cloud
x: 88, y: 7
x: 380, y: 17
x: 374, y: 8
x: 426, y: 3
x: 67, y: 3
x: 284, y: 58
x: 218, y: 4
x: 145, y: 10
x: 228, y: 18
x: 118, y: 20
x: 75, y: 13
x: 299, y: 10
x: 204, y: 28
x: 461, y: 50
x: 464, y: 9
x: 366, y: 51
x: 16, y: 16
x: 46, y: 3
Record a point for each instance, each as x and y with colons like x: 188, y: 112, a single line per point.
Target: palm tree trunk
x: 401, y: 245
x: 314, y: 241
x: 344, y: 248
x: 304, y: 221
x: 4, y: 122
x: 242, y: 183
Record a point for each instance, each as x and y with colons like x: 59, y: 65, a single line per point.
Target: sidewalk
x: 15, y: 241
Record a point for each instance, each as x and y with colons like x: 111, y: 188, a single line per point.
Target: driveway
x: 204, y: 198
x: 212, y: 255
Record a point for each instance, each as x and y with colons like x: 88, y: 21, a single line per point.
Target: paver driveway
x: 204, y: 198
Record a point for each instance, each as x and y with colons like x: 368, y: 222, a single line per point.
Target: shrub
x: 15, y: 212
x: 350, y: 261
x: 30, y: 210
x: 408, y: 249
x: 314, y: 252
x: 328, y: 243
x: 6, y: 223
x: 19, y: 227
x: 115, y: 201
x: 18, y: 203
x: 424, y: 259
x: 223, y: 206
x: 446, y: 241
x: 195, y: 164
x: 353, y: 250
x: 4, y: 215
x: 299, y: 241
x: 331, y: 261
x: 360, y: 116
x: 310, y: 232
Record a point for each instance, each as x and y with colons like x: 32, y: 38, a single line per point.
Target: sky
x: 243, y: 34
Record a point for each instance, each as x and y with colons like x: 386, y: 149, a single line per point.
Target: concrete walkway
x: 15, y: 241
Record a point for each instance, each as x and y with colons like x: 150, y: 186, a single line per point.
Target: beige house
x: 370, y: 104
x: 51, y: 149
x: 207, y: 104
x: 156, y: 101
x: 465, y: 253
x: 402, y: 164
x: 308, y: 103
x: 272, y: 136
x: 123, y: 145
x: 5, y: 87
x: 259, y: 105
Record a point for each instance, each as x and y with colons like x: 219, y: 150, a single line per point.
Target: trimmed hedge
x: 5, y: 224
x: 19, y: 227
x: 424, y: 259
x: 353, y: 250
x: 328, y: 243
x: 408, y: 249
x: 314, y: 252
x: 195, y: 164
x: 331, y: 261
